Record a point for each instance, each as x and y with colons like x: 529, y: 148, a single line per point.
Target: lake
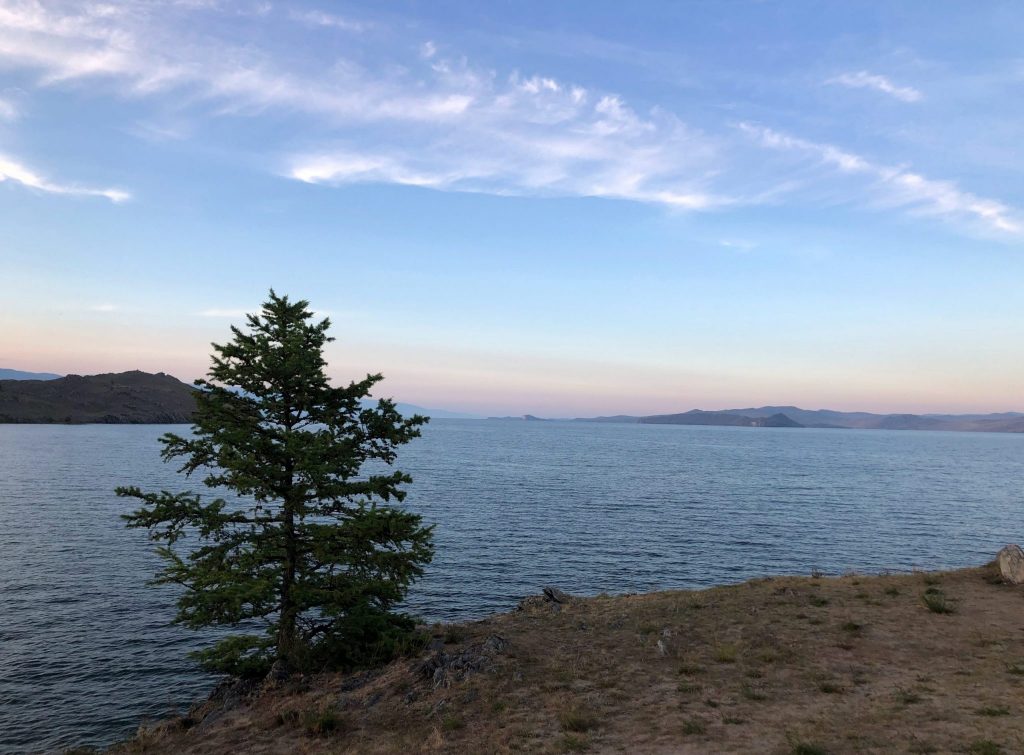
x: 86, y: 647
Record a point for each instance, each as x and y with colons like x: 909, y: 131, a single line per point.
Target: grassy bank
x: 903, y: 663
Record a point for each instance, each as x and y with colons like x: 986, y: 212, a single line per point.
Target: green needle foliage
x: 302, y: 562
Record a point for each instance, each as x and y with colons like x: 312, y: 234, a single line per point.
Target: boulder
x: 1011, y: 564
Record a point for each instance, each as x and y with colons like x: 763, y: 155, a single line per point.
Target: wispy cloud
x: 435, y: 120
x: 8, y: 112
x: 535, y: 136
x: 329, y: 20
x: 15, y: 172
x: 450, y: 125
x: 898, y: 187
x: 106, y: 307
x: 865, y: 80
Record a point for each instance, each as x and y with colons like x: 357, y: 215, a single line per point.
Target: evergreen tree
x: 301, y: 559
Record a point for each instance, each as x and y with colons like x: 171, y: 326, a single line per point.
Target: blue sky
x: 557, y: 208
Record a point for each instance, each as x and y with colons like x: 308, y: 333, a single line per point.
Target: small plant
x: 831, y: 688
x: 726, y: 653
x: 932, y: 579
x: 907, y: 696
x: 694, y: 726
x: 577, y: 720
x: 451, y: 722
x: 807, y: 748
x: 817, y: 574
x: 733, y: 720
x: 993, y: 710
x: 574, y: 743
x: 690, y: 688
x: 754, y: 673
x: 985, y: 747
x: 818, y: 601
x: 753, y: 693
x: 691, y: 669
x: 453, y: 635
x: 936, y: 602
x: 892, y: 591
x: 322, y: 723
x: 1017, y: 668
x: 851, y: 626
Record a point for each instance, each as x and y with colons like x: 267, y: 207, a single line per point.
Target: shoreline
x: 918, y: 662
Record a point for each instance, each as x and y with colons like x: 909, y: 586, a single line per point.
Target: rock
x: 555, y: 595
x: 279, y: 672
x: 442, y: 668
x: 1011, y: 564
x: 495, y: 644
x: 662, y: 648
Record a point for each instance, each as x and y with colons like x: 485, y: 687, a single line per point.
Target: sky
x: 563, y: 209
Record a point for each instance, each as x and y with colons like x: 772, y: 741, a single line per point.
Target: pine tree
x: 300, y: 560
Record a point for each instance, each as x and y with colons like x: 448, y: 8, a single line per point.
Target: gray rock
x: 1011, y: 564
x: 556, y: 596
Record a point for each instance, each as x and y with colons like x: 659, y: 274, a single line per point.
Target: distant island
x: 792, y: 416
x: 114, y: 398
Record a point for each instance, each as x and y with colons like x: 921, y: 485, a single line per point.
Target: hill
x: 793, y: 416
x: 923, y: 662
x: 727, y: 419
x: 7, y: 374
x: 113, y: 398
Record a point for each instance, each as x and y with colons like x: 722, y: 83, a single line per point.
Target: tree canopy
x: 304, y: 554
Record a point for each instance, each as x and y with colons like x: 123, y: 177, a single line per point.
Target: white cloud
x: 865, y: 80
x: 11, y: 170
x: 104, y: 308
x: 8, y: 112
x: 447, y: 125
x: 434, y: 120
x: 897, y: 187
x: 329, y: 20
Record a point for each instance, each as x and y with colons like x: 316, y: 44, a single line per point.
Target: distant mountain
x: 721, y: 419
x: 113, y: 398
x: 792, y: 416
x: 407, y: 410
x: 6, y: 374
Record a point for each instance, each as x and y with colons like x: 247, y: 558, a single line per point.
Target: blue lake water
x: 85, y: 647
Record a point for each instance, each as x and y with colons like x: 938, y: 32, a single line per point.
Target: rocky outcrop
x: 1011, y: 564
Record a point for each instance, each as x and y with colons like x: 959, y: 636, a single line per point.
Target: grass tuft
x: 935, y: 601
x: 726, y: 653
x: 985, y: 747
x: 574, y: 743
x: 694, y: 726
x: 993, y: 710
x: 807, y: 748
x: 907, y: 696
x: 577, y: 720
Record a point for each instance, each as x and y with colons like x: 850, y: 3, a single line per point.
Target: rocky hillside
x: 114, y: 398
x: 899, y: 663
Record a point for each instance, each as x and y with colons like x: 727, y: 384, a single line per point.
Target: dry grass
x: 741, y: 669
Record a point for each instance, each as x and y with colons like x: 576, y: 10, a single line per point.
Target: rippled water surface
x: 85, y: 646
